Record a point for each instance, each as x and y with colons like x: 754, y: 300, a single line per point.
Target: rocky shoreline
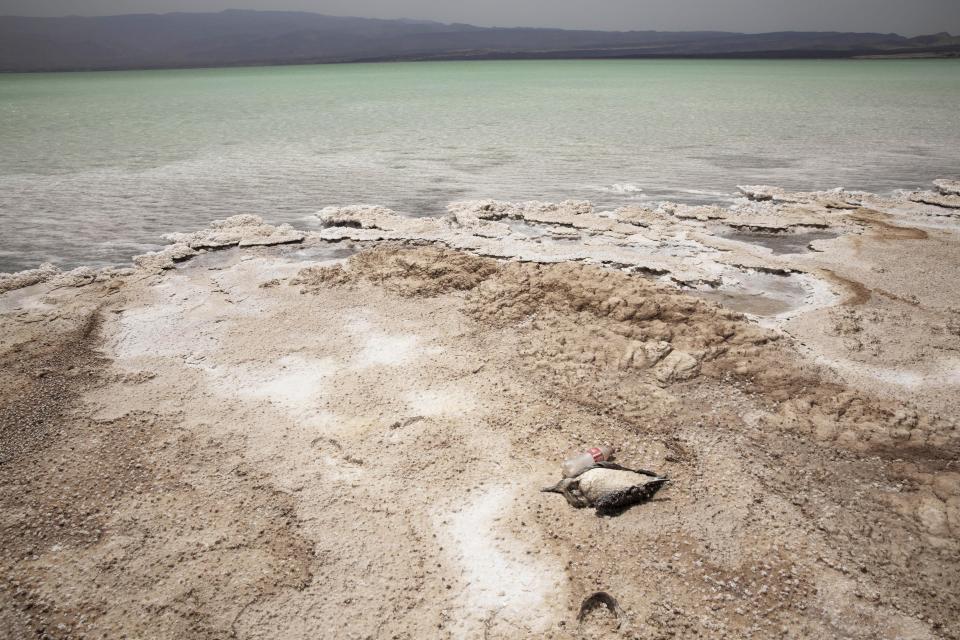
x: 259, y: 429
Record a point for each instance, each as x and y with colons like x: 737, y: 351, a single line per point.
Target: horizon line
x: 465, y: 24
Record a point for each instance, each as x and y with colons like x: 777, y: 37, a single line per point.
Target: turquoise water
x: 95, y: 167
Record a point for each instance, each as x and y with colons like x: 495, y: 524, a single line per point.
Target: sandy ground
x: 262, y: 433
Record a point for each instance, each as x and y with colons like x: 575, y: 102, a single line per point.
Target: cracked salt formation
x: 689, y: 246
x: 744, y: 256
x: 671, y: 247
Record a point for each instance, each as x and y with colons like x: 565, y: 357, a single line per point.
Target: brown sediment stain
x: 856, y: 244
x: 119, y: 504
x: 892, y: 296
x: 858, y: 292
x: 883, y: 230
x: 42, y: 377
x: 613, y: 342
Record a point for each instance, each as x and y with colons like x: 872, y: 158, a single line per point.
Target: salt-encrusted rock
x: 116, y: 272
x: 578, y: 214
x: 758, y: 223
x: 358, y: 216
x: 165, y: 259
x: 467, y: 220
x: 220, y: 233
x: 775, y: 224
x: 267, y: 235
x: 947, y: 187
x: 563, y: 233
x: 21, y: 279
x: 643, y: 355
x: 243, y: 230
x: 755, y: 215
x: 936, y: 199
x: 761, y: 192
x: 701, y: 213
x: 636, y: 216
x: 462, y: 223
x: 653, y: 243
x: 771, y: 265
x: 79, y: 277
x: 832, y: 199
x: 238, y: 221
x: 381, y: 218
x: 848, y: 202
x: 530, y: 210
x: 574, y: 213
x: 485, y: 209
x: 677, y: 366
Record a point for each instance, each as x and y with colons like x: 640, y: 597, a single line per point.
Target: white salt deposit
x: 449, y: 401
x: 296, y: 384
x: 386, y: 349
x: 501, y: 580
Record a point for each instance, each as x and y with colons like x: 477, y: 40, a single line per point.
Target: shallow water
x: 97, y: 166
x: 757, y: 304
x: 782, y: 243
x: 758, y: 293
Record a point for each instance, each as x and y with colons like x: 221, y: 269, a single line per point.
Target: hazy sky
x: 909, y: 17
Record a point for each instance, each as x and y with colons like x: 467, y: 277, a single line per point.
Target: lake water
x: 95, y: 167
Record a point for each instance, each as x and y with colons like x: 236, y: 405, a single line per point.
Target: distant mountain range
x: 233, y: 38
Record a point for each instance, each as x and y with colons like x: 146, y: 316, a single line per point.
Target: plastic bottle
x: 572, y: 467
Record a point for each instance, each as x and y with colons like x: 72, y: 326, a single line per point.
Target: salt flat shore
x: 261, y: 432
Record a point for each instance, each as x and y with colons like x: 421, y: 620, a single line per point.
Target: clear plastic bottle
x: 572, y: 467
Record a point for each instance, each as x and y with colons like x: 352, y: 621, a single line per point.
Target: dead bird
x: 608, y: 487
